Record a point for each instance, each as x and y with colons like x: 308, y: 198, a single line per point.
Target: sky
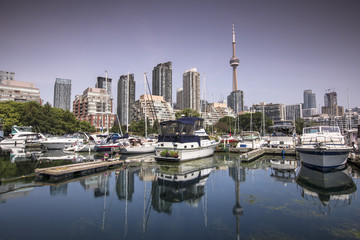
x: 284, y: 46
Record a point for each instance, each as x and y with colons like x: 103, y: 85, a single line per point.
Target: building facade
x: 275, y: 112
x: 11, y: 90
x: 105, y: 83
x: 215, y: 111
x: 191, y: 89
x: 330, y: 105
x: 155, y: 107
x: 125, y: 98
x: 162, y: 81
x: 293, y: 112
x: 309, y: 105
x: 179, y: 98
x: 236, y: 101
x: 4, y: 75
x: 94, y: 106
x: 62, y: 93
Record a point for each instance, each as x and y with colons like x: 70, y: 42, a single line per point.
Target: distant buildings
x: 294, y: 112
x: 179, y: 98
x: 11, y: 90
x: 105, y: 83
x: 125, y: 98
x: 162, y: 81
x: 215, y: 111
x: 94, y: 106
x: 275, y: 112
x: 191, y: 89
x: 156, y: 108
x: 62, y: 93
x: 330, y: 105
x: 309, y: 106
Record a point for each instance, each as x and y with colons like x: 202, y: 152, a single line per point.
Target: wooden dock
x: 61, y: 173
x: 257, y: 153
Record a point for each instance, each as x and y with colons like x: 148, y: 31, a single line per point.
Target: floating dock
x: 60, y: 173
x: 251, y: 155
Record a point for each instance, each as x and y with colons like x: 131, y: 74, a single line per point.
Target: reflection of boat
x: 323, y: 146
x: 21, y: 154
x: 184, y: 139
x: 283, y: 165
x: 284, y: 170
x: 336, y: 185
x: 249, y: 140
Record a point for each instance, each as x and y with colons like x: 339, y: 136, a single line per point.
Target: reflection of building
x: 60, y: 189
x: 154, y: 105
x: 15, y: 189
x: 62, y: 93
x: 125, y: 186
x: 94, y: 106
x: 162, y: 81
x: 99, y: 184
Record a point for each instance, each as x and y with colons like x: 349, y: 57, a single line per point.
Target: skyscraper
x: 191, y: 89
x: 62, y: 93
x: 330, y: 105
x: 309, y: 106
x: 162, y: 81
x: 179, y: 98
x: 125, y: 98
x: 236, y: 98
x: 102, y: 83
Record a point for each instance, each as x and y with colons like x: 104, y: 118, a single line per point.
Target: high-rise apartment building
x: 275, y: 112
x: 309, y: 106
x: 11, y: 90
x: 94, y: 106
x: 105, y: 83
x: 162, y: 81
x: 330, y: 105
x: 125, y: 98
x: 191, y: 89
x: 62, y: 93
x: 294, y: 112
x: 179, y: 98
x: 236, y: 101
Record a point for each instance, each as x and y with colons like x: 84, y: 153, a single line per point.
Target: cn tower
x: 234, y: 62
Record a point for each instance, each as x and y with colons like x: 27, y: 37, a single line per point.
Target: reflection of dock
x: 70, y: 171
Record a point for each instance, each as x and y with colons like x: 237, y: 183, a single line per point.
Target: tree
x: 187, y: 112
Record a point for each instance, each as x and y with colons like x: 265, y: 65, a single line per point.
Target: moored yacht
x: 183, y: 139
x: 55, y: 143
x: 249, y: 140
x: 323, y: 146
x: 19, y: 137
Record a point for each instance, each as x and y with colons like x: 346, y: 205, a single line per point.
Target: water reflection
x: 331, y: 188
x: 283, y: 171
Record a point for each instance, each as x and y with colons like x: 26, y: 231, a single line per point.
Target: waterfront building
x: 62, y: 93
x: 125, y: 98
x: 156, y: 108
x: 105, y: 83
x: 94, y: 106
x: 215, y: 111
x: 330, y: 105
x: 294, y: 112
x: 179, y: 98
x: 309, y: 106
x: 4, y: 75
x: 191, y: 89
x: 162, y: 81
x: 11, y: 90
x: 275, y: 112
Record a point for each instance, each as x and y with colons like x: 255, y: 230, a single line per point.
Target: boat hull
x: 185, y: 154
x: 324, y: 158
x: 137, y: 150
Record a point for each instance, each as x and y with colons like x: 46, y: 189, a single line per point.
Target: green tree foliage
x: 187, y: 112
x: 138, y: 127
x: 299, y: 124
x: 45, y: 119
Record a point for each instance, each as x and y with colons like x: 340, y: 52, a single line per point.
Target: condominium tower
x: 62, y: 93
x: 125, y: 98
x: 162, y: 81
x: 191, y: 89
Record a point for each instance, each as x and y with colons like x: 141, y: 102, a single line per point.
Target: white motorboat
x: 324, y: 147
x: 183, y: 139
x: 138, y: 148
x: 54, y: 143
x: 249, y: 140
x: 20, y: 135
x: 283, y: 135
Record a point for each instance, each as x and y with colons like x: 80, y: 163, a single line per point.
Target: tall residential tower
x: 162, y: 81
x: 125, y: 98
x: 62, y: 93
x: 191, y: 89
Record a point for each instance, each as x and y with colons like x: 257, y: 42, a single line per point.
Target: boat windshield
x: 17, y: 129
x: 311, y: 130
x: 180, y: 127
x: 325, y: 129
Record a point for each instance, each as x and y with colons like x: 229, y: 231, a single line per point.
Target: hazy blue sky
x: 284, y: 46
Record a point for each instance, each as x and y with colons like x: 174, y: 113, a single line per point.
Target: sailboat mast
x: 145, y: 105
x: 106, y: 101
x: 127, y: 102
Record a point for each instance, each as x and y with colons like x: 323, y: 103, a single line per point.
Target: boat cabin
x: 323, y: 129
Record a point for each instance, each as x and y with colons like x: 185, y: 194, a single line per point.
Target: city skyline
x: 285, y: 47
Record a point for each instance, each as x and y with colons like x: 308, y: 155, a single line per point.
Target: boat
x: 55, y: 143
x: 138, y: 147
x: 249, y: 140
x: 283, y: 135
x: 20, y: 135
x: 183, y: 139
x: 113, y: 141
x: 324, y: 147
x: 81, y: 146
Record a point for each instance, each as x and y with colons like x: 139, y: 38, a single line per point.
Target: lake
x: 218, y: 197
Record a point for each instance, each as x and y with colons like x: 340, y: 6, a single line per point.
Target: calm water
x: 214, y: 198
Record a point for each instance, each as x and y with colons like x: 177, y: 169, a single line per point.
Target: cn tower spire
x: 234, y: 62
